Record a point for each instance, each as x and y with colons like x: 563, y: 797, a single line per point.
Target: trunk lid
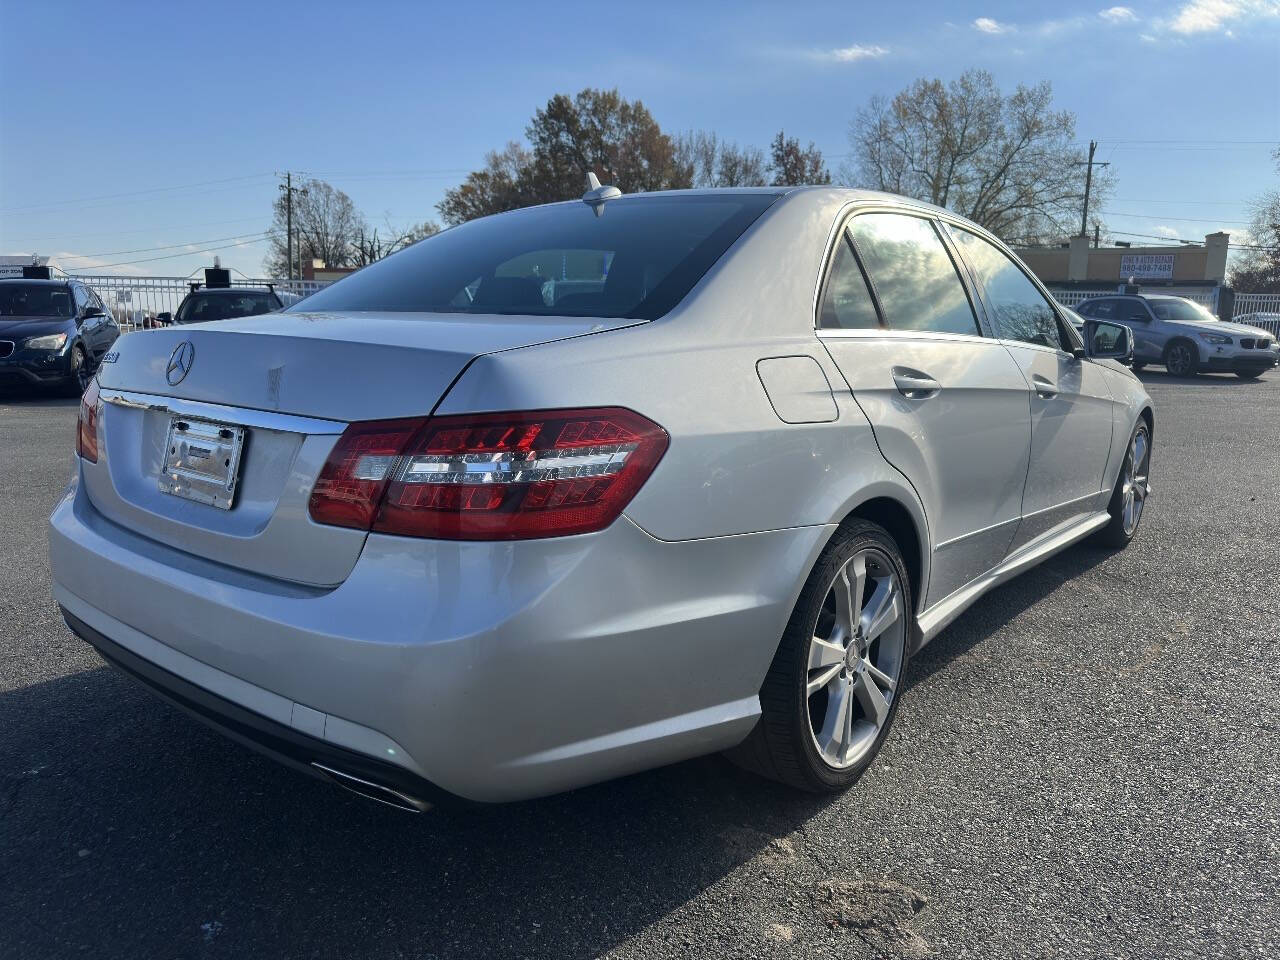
x: 292, y: 381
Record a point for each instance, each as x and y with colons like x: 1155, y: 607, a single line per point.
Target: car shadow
x: 1216, y: 379
x: 36, y: 400
x: 131, y: 830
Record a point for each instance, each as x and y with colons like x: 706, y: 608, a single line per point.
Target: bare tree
x: 1257, y: 269
x: 707, y: 161
x: 793, y: 166
x: 326, y: 225
x: 1009, y: 163
x: 379, y: 243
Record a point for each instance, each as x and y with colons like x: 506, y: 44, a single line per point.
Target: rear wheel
x: 833, y: 689
x: 1130, y: 495
x: 1180, y: 359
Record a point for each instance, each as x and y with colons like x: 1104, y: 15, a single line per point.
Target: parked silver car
x: 1186, y: 337
x: 428, y: 532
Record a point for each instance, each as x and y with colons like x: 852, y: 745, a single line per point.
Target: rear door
x: 1071, y: 403
x: 948, y: 405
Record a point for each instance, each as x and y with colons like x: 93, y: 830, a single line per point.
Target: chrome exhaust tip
x: 373, y: 791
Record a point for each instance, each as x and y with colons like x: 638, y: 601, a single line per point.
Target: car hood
x: 1219, y: 326
x: 20, y: 328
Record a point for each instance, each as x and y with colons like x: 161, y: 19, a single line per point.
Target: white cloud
x: 853, y: 53
x: 987, y: 25
x: 1212, y: 16
x: 1166, y: 231
x: 1118, y: 15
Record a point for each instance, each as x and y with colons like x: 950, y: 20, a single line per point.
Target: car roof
x: 47, y: 283
x: 229, y: 290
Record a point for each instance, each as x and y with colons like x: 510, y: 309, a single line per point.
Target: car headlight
x: 55, y: 341
x: 1215, y: 338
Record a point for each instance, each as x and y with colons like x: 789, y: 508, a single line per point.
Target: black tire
x: 1181, y: 358
x: 1117, y: 534
x: 1136, y: 367
x: 80, y: 374
x: 783, y: 744
x: 1248, y: 374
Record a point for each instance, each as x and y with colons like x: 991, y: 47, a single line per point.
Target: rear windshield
x: 637, y: 260
x: 35, y: 300
x: 198, y: 308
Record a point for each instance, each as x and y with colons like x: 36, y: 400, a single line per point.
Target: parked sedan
x: 425, y: 533
x: 52, y: 334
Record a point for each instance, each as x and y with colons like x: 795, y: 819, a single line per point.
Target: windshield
x: 636, y: 260
x: 1180, y: 311
x: 200, y: 307
x: 35, y: 300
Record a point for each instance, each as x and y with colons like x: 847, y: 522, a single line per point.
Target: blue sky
x: 128, y: 127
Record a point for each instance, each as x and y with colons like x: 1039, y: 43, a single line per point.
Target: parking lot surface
x: 1087, y: 763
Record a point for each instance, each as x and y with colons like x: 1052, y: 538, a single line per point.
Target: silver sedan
x: 582, y: 489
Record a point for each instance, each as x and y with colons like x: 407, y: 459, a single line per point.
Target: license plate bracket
x: 202, y: 461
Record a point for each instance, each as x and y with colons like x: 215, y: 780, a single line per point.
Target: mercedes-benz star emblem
x: 184, y: 355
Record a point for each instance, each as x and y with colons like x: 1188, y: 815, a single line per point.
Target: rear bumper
x: 278, y: 741
x: 494, y: 671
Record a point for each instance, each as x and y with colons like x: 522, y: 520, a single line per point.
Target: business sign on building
x: 1147, y: 266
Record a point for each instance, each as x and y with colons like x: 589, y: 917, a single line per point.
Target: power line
x: 133, y: 193
x: 170, y: 246
x: 1157, y: 216
x: 171, y: 256
x: 124, y: 233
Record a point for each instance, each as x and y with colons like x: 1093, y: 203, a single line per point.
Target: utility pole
x: 1088, y: 186
x: 289, y: 190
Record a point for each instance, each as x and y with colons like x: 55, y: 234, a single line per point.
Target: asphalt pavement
x: 1086, y: 763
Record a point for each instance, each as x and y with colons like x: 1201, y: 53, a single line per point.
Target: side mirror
x: 90, y: 312
x: 163, y: 319
x: 1108, y: 341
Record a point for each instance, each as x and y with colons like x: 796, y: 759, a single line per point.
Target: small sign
x: 124, y: 296
x: 1147, y: 266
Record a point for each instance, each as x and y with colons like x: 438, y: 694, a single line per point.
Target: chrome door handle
x: 1044, y: 388
x: 913, y: 384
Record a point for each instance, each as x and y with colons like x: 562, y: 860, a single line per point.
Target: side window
x: 1020, y: 310
x: 1104, y: 309
x: 81, y: 295
x: 918, y: 286
x: 847, y: 304
x: 1128, y: 309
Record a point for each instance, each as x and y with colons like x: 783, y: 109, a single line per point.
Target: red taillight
x: 87, y: 423
x: 356, y: 474
x: 500, y: 476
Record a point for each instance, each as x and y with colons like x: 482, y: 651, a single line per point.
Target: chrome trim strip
x: 1063, y: 504
x: 869, y: 333
x: 240, y: 416
x: 373, y: 791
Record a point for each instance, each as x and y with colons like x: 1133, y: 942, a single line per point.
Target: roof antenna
x: 596, y: 195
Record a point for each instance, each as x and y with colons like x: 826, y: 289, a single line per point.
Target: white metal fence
x: 136, y: 300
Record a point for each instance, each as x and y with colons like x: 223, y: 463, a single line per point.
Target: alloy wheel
x: 855, y: 658
x: 1179, y: 360
x: 1137, y: 464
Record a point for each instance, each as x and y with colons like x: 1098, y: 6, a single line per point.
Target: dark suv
x: 53, y: 333
x: 1184, y: 336
x: 223, y: 303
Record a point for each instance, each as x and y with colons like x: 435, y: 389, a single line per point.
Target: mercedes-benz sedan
x: 581, y: 489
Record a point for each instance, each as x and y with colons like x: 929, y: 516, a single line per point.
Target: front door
x: 1070, y: 402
